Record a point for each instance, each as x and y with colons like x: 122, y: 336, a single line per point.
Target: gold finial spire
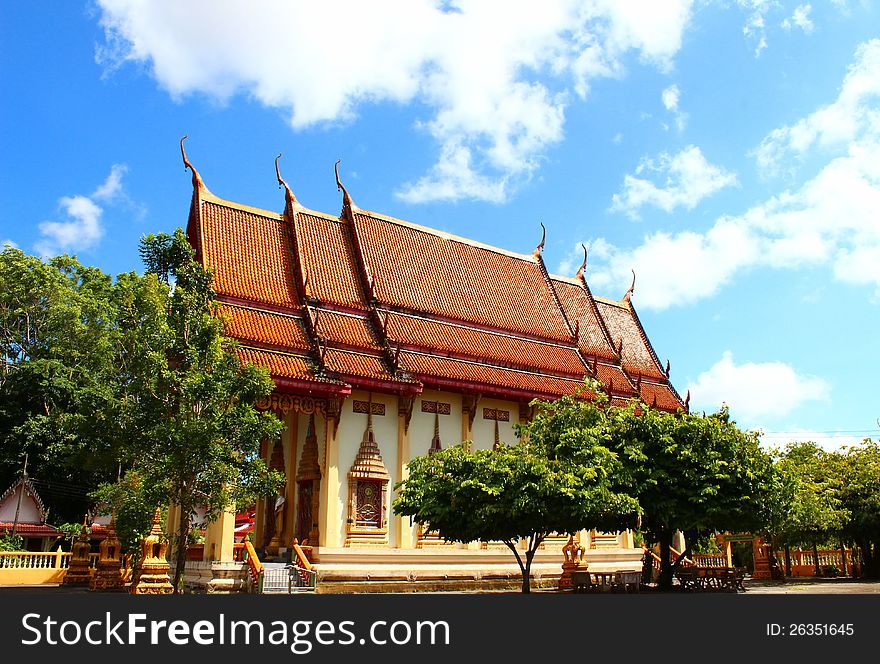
x: 580, y: 273
x: 289, y: 198
x: 197, y: 181
x: 628, y: 295
x: 540, y: 247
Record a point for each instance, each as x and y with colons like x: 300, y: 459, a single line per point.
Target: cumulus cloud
x: 83, y: 227
x: 670, y: 98
x: 689, y: 178
x: 494, y: 78
x: 755, y: 390
x: 828, y: 441
x: 800, y: 18
x: 831, y: 219
x: 854, y: 115
x: 755, y: 28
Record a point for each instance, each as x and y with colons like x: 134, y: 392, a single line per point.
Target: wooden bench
x: 628, y: 580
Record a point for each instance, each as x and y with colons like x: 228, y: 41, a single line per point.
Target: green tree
x: 57, y: 374
x: 194, y: 433
x: 690, y: 473
x: 857, y: 479
x: 816, y: 513
x: 558, y: 479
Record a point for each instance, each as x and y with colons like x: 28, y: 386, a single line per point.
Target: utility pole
x: 20, y: 494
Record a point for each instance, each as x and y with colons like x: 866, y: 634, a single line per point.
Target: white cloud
x: 853, y: 115
x: 755, y: 27
x: 670, y: 98
x: 800, y: 18
x: 831, y: 219
x: 755, y: 390
x: 84, y: 228
x: 8, y: 243
x: 689, y: 179
x: 495, y: 77
x: 828, y: 441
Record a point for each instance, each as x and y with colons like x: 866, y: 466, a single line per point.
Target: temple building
x: 385, y: 340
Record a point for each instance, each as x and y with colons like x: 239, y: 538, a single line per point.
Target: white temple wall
x: 484, y: 429
x: 351, y: 430
x: 29, y: 513
x: 421, y: 426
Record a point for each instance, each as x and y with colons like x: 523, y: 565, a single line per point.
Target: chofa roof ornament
x: 580, y: 273
x: 628, y: 295
x: 197, y: 181
x: 537, y: 252
x: 346, y: 197
x: 289, y: 198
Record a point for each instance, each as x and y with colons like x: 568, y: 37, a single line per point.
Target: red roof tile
x: 327, y: 261
x: 348, y: 329
x: 476, y: 343
x: 280, y: 365
x: 431, y: 272
x: 265, y: 327
x: 426, y: 366
x: 613, y: 376
x: 249, y: 251
x: 637, y: 356
x: 666, y: 398
x: 29, y: 529
x: 348, y: 363
x: 576, y: 302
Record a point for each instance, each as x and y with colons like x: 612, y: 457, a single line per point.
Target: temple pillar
x: 290, y: 439
x: 405, y: 531
x: 328, y: 521
x: 172, y: 520
x: 220, y: 538
x: 260, y: 512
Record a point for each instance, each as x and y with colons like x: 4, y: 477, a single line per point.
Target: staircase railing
x: 306, y: 570
x: 255, y: 567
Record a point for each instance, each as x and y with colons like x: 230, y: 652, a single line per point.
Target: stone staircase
x: 284, y: 579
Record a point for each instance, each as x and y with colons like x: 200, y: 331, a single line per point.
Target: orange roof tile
x: 265, y: 327
x: 425, y: 366
x: 249, y: 251
x: 348, y: 329
x: 611, y: 375
x: 465, y: 340
x: 327, y: 261
x: 576, y: 302
x: 666, y: 398
x: 637, y: 356
x: 349, y: 363
x: 427, y: 271
x: 280, y: 365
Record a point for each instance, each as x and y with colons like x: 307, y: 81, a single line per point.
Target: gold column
x: 260, y: 515
x: 329, y: 521
x: 405, y: 538
x: 220, y: 537
x: 290, y: 437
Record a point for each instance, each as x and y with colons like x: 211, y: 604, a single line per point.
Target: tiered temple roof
x: 366, y: 301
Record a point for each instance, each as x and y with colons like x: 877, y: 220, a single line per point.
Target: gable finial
x: 289, y: 198
x: 667, y: 369
x: 540, y: 247
x: 346, y: 197
x: 197, y: 181
x: 632, y: 288
x: 620, y: 347
x: 580, y: 273
x: 687, y: 401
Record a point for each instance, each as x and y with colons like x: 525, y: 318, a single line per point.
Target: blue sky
x: 728, y: 152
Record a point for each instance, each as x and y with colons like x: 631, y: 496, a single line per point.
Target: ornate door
x: 369, y: 504
x: 304, y: 512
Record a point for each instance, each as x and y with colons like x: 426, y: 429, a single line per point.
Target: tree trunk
x: 522, y: 568
x: 816, y: 570
x: 665, y: 580
x: 787, y: 560
x: 182, y: 537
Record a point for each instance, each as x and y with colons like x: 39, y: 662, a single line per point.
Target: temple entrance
x: 304, y: 513
x: 369, y: 504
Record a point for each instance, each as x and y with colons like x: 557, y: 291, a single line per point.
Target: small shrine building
x: 386, y: 339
